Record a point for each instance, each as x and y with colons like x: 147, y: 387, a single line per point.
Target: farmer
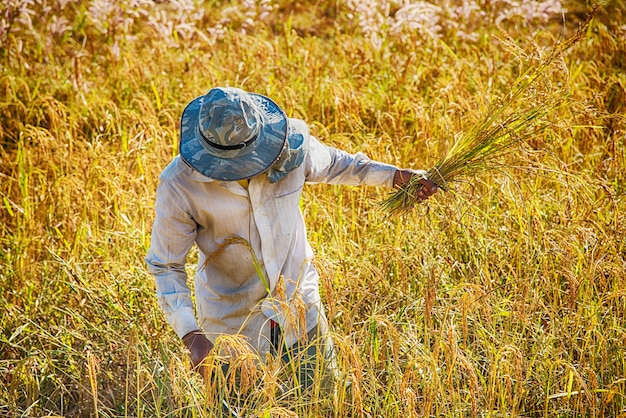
x: 234, y: 191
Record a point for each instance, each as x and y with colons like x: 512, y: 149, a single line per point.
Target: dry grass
x: 507, y: 126
x: 504, y: 299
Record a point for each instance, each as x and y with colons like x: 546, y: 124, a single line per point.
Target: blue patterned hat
x: 229, y: 134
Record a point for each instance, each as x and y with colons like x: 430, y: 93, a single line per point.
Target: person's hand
x: 402, y: 177
x: 199, y: 347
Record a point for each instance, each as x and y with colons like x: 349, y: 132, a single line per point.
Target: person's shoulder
x: 175, y: 170
x: 180, y: 173
x: 299, y: 126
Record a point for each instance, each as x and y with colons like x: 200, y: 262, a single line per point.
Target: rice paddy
x: 503, y: 296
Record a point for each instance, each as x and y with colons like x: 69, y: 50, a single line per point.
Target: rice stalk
x: 503, y: 129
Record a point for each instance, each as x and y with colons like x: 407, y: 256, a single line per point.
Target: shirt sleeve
x: 173, y: 234
x: 326, y: 164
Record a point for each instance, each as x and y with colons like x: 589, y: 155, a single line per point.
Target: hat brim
x: 234, y: 164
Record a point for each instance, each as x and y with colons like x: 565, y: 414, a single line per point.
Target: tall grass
x: 506, y: 299
x: 505, y: 128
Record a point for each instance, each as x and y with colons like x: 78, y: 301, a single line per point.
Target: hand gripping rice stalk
x: 513, y: 120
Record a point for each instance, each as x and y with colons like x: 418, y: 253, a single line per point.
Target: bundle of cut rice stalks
x: 504, y: 128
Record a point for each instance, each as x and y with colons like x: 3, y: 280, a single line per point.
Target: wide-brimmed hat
x: 229, y: 134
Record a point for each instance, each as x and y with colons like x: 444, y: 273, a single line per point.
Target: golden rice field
x: 504, y: 296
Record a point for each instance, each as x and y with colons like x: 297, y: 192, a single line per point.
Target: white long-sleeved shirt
x: 254, y: 259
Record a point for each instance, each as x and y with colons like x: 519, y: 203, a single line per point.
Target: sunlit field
x: 504, y: 296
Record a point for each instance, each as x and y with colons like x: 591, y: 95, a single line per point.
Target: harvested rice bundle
x: 503, y: 129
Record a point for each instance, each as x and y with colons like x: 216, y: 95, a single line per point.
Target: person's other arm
x: 173, y: 234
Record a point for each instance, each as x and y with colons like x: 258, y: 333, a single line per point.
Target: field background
x: 503, y: 297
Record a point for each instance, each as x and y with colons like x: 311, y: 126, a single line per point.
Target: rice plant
x: 504, y: 129
x: 511, y: 306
